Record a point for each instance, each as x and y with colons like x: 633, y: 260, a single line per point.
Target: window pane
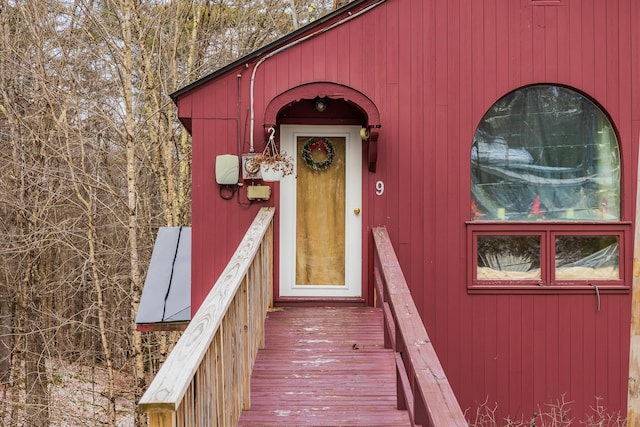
x: 545, y: 153
x: 587, y: 258
x: 508, y: 257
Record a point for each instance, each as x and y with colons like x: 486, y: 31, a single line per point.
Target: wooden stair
x: 324, y: 366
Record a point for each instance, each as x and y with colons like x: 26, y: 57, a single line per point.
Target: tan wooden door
x: 320, y: 227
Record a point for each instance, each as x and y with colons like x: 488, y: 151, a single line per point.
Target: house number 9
x: 379, y: 188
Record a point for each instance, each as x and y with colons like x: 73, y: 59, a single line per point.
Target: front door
x: 320, y: 220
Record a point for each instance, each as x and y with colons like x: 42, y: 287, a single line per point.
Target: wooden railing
x: 423, y: 388
x: 205, y: 380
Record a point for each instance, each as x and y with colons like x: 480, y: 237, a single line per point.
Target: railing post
x: 248, y: 348
x: 420, y: 375
x: 162, y: 419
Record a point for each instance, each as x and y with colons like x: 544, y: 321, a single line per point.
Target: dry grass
x: 556, y: 414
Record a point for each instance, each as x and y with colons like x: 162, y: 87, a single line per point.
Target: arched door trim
x: 333, y: 91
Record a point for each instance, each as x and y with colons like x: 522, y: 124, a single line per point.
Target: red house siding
x: 433, y: 68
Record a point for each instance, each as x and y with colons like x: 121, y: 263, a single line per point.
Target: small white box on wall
x: 227, y: 169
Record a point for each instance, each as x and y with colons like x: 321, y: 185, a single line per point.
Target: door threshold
x: 319, y: 302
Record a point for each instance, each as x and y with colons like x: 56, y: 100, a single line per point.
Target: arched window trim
x: 553, y: 235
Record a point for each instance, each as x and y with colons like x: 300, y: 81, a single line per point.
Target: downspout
x: 348, y: 18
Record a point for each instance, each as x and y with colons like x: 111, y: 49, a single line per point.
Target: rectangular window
x: 508, y: 258
x: 553, y: 258
x: 589, y: 258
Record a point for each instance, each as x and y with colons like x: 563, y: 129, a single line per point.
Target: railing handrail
x: 423, y: 386
x: 172, y: 381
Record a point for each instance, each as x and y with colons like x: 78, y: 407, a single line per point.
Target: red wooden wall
x: 433, y: 68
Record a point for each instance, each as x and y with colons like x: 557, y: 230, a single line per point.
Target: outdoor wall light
x: 321, y: 104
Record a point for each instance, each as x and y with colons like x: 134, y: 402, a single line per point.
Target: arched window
x: 545, y: 202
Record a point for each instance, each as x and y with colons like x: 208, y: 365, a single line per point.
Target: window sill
x: 546, y: 224
x: 546, y: 2
x: 513, y: 289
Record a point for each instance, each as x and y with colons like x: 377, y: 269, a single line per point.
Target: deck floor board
x: 324, y: 367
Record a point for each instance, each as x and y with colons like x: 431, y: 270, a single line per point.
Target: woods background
x: 92, y: 161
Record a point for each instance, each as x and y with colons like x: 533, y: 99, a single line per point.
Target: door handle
x: 356, y: 211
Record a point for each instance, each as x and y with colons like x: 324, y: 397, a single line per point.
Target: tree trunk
x: 35, y: 376
x: 6, y: 347
x: 128, y: 11
x: 35, y: 381
x: 6, y: 336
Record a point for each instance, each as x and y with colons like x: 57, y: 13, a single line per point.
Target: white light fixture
x: 321, y: 104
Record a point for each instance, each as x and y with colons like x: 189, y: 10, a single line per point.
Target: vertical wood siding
x: 433, y: 68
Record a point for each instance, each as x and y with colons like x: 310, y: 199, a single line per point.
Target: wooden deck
x: 324, y: 367
x: 316, y: 366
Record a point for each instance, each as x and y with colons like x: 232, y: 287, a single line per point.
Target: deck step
x: 324, y: 366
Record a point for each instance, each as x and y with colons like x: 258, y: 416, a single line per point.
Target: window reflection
x: 545, y: 153
x: 508, y: 257
x: 587, y: 258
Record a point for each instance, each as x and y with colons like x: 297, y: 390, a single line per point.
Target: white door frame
x: 353, y: 220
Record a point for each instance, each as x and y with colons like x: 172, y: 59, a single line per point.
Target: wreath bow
x: 318, y: 143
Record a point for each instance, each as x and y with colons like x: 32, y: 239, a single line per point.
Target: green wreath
x: 318, y: 143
